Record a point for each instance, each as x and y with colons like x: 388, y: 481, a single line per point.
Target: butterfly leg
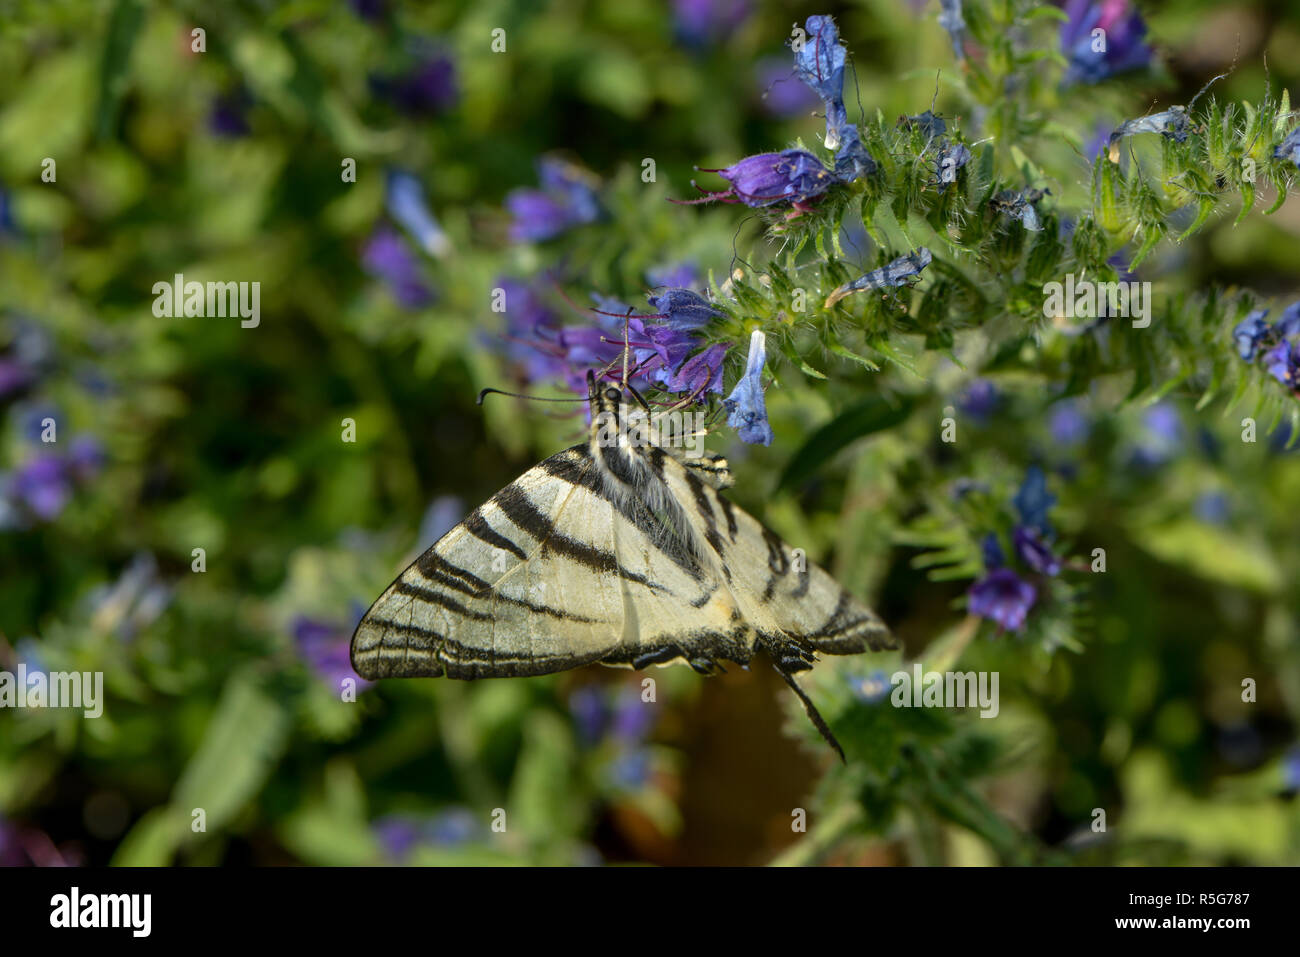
x: 788, y: 658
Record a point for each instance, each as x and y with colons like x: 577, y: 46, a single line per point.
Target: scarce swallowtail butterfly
x: 619, y: 550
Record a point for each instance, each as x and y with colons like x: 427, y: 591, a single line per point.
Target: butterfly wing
x: 551, y: 573
x: 777, y: 591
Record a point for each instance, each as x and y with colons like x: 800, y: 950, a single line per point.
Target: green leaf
x: 865, y: 418
x: 123, y: 27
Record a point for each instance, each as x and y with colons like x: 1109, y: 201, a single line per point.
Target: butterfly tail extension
x: 786, y: 672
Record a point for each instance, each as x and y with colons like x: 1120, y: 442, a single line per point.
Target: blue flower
x: 387, y: 257
x: 1002, y: 597
x: 1034, y: 552
x: 1033, y: 501
x: 872, y: 688
x: 440, y: 517
x: 1250, y: 332
x: 746, y: 408
x: 852, y: 161
x: 405, y: 200
x: 1291, y: 770
x: 1162, y: 434
x: 819, y: 62
x: 951, y: 20
x: 1212, y: 508
x: 683, y: 310
x: 991, y: 551
x: 632, y: 719
x: 1121, y: 44
x: 1289, y: 148
x: 630, y: 770
x: 590, y: 709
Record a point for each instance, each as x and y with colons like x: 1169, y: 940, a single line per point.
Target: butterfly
x: 621, y: 551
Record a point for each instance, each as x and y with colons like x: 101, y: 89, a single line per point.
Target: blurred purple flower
x: 1002, y: 597
x: 1118, y: 49
x: 371, y: 10
x: 980, y: 399
x: 387, y: 257
x: 1282, y: 362
x: 567, y: 198
x: 590, y: 709
x: 954, y: 23
x: 633, y: 719
x: 683, y: 275
x: 1162, y: 434
x: 42, y: 486
x: 1034, y: 552
x: 229, y: 115
x: 746, y: 407
x: 1291, y: 769
x: 1250, y: 332
x: 1067, y: 424
x: 440, y: 518
x: 86, y: 457
x: 783, y: 95
x: 426, y: 89
x: 698, y: 23
x: 325, y: 647
x: 11, y: 845
x: 1212, y: 508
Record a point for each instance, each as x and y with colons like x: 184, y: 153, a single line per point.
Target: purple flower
x: 700, y: 373
x: 228, y: 117
x: 819, y: 62
x: 11, y: 845
x: 386, y: 256
x: 980, y: 399
x: 85, y: 457
x: 633, y: 719
x: 14, y: 376
x: 1002, y: 597
x: 793, y: 176
x: 1033, y: 500
x: 325, y: 647
x: 371, y: 10
x: 852, y: 161
x: 1117, y: 49
x: 1034, y: 552
x: 1067, y: 424
x: 590, y: 709
x: 1212, y: 508
x: 406, y: 203
x: 1162, y: 433
x: 427, y: 89
x: 42, y: 486
x: 7, y: 225
x: 698, y: 23
x: 1250, y: 332
x: 746, y: 409
x: 783, y: 95
x: 1282, y: 362
x: 682, y: 275
x: 567, y: 199
x: 441, y: 517
x: 398, y: 835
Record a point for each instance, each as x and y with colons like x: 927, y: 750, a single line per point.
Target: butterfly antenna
x: 521, y: 395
